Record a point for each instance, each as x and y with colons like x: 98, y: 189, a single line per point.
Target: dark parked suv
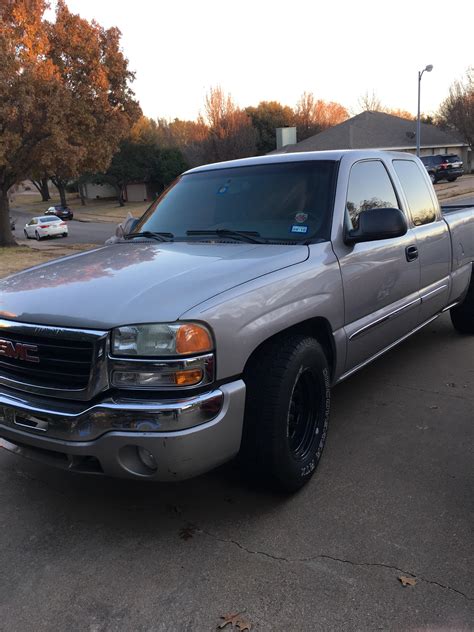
x: 443, y: 167
x: 63, y: 212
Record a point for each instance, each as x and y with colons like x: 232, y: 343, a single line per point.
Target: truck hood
x: 135, y: 282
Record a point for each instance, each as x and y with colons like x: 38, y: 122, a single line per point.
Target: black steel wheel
x: 304, y: 422
x: 287, y: 411
x: 462, y: 316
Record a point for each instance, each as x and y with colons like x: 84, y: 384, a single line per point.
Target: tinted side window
x: 369, y: 187
x: 418, y: 195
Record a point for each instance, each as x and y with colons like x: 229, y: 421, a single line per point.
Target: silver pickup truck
x: 217, y: 326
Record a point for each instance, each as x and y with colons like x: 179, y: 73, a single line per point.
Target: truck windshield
x: 289, y: 201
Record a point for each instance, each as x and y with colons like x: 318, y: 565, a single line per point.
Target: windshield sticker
x: 224, y: 188
x: 301, y: 217
x: 299, y: 229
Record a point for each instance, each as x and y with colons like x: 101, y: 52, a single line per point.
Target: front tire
x: 287, y: 411
x: 26, y: 234
x: 433, y: 178
x: 462, y: 316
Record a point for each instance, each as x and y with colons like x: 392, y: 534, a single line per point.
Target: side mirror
x: 376, y: 224
x: 129, y: 226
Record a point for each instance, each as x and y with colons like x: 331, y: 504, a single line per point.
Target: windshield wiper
x: 245, y: 235
x: 151, y: 235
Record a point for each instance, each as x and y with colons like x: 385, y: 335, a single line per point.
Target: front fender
x: 245, y: 316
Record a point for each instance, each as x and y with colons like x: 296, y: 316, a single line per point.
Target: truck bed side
x: 460, y: 221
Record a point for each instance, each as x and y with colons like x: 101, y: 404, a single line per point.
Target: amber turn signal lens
x: 191, y: 338
x: 188, y: 378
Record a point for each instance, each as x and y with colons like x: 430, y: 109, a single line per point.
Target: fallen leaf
x: 235, y: 621
x: 244, y: 626
x: 407, y: 581
x: 231, y: 617
x: 186, y: 533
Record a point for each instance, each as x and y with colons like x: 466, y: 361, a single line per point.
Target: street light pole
x: 428, y: 68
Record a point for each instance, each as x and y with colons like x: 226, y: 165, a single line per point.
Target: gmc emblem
x: 18, y: 351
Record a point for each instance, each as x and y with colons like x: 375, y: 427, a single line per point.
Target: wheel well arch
x: 318, y: 328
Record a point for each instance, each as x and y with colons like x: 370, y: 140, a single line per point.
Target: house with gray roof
x: 377, y: 130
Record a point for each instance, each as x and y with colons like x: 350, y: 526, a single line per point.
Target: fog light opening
x: 147, y: 458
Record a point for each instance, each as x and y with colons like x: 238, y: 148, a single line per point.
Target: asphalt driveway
x: 392, y: 497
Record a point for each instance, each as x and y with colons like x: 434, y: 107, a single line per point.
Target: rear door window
x: 422, y: 208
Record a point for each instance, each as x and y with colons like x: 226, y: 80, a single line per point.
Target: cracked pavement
x: 392, y: 497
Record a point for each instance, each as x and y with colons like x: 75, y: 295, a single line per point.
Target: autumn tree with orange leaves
x: 65, y: 100
x: 29, y: 93
x: 230, y: 133
x: 315, y: 115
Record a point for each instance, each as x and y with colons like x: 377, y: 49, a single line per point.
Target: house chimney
x: 285, y: 136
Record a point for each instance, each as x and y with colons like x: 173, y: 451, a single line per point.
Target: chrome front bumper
x: 186, y: 437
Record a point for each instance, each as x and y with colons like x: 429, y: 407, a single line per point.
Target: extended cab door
x: 380, y: 278
x: 433, y: 240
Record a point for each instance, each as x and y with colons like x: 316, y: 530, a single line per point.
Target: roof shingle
x: 372, y: 130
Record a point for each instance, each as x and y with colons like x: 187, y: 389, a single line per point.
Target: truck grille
x: 62, y: 363
x: 54, y: 361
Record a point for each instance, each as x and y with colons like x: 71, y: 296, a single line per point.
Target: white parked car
x: 40, y: 227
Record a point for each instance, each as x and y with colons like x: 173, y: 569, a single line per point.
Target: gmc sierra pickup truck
x: 218, y: 325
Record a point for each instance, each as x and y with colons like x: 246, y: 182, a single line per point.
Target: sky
x: 273, y: 50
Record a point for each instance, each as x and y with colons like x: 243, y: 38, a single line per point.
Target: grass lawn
x: 20, y: 257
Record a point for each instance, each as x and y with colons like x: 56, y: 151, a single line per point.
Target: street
x: 392, y: 498
x: 80, y: 232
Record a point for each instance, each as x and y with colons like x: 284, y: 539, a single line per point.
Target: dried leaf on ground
x: 244, y: 626
x: 186, y: 533
x: 407, y: 581
x: 231, y: 618
x: 235, y: 621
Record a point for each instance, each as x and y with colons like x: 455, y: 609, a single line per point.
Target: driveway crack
x: 305, y: 560
x: 419, y: 389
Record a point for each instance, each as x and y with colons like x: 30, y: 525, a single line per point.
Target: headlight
x: 162, y: 374
x: 159, y: 340
x: 139, y: 356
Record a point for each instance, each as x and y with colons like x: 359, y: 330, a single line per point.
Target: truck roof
x: 301, y: 156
